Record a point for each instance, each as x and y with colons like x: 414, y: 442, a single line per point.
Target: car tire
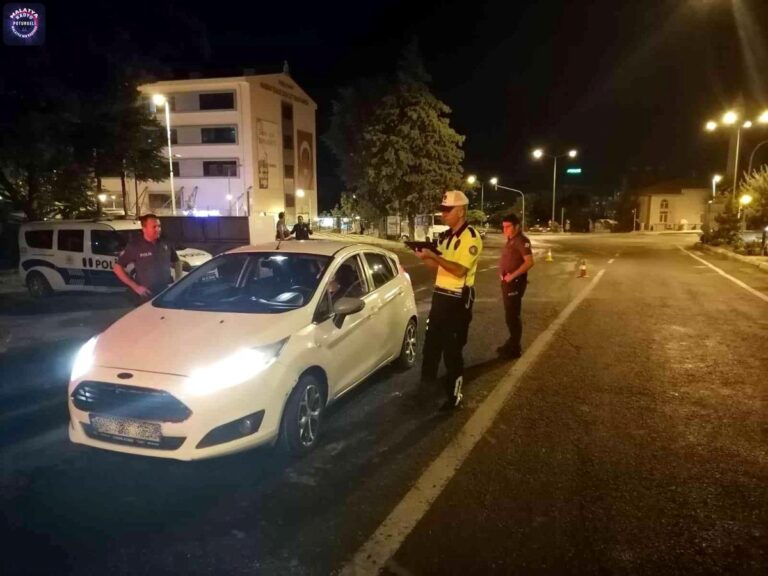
x: 38, y: 285
x: 407, y: 358
x: 302, y: 417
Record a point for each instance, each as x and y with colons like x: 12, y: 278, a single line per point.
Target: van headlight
x: 233, y: 370
x: 83, y: 359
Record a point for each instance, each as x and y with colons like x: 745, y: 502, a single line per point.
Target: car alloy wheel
x: 310, y: 408
x: 409, y: 346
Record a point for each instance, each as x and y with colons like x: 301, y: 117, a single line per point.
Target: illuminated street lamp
x: 102, y: 198
x: 538, y: 153
x: 729, y: 119
x: 471, y: 179
x: 495, y: 183
x: 743, y: 201
x: 715, y: 181
x: 161, y: 100
x: 300, y: 194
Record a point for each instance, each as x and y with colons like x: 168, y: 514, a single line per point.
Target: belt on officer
x: 447, y: 292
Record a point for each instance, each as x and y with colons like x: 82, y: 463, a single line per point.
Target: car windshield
x: 257, y: 283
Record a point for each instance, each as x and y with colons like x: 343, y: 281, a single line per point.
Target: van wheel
x: 407, y: 357
x: 38, y: 285
x: 303, y: 415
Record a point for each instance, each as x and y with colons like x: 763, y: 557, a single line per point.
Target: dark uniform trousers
x: 512, y: 294
x: 446, y: 335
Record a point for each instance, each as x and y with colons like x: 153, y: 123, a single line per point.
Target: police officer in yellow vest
x: 452, y: 299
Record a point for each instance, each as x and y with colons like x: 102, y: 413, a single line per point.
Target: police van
x: 429, y: 227
x: 79, y: 255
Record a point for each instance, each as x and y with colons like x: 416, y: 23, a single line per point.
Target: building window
x: 220, y: 168
x: 290, y: 201
x: 219, y: 135
x: 217, y: 101
x: 288, y: 171
x: 286, y: 110
x: 665, y: 204
x: 174, y: 137
x: 287, y: 142
x: 176, y: 170
x: 39, y: 239
x: 663, y: 216
x: 71, y: 240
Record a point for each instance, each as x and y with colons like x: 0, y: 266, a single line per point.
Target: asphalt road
x: 633, y: 443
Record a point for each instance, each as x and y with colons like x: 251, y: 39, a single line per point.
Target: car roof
x: 319, y: 247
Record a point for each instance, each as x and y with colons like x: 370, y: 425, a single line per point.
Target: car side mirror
x: 345, y: 307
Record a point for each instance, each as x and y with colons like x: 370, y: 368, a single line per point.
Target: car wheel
x: 38, y: 285
x: 303, y: 416
x: 407, y: 357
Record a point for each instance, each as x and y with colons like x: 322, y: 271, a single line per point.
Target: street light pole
x: 752, y: 156
x: 161, y: 100
x: 497, y: 185
x: 554, y: 188
x: 539, y: 153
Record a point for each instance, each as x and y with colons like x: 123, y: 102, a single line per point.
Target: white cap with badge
x: 454, y: 198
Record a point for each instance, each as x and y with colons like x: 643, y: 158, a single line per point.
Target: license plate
x: 126, y: 427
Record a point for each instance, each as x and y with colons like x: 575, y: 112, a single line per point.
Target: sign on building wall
x: 267, y: 154
x: 306, y: 160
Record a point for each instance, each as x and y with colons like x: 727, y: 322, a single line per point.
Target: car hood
x: 178, y: 341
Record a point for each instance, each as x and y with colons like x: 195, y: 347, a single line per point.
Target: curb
x: 761, y: 264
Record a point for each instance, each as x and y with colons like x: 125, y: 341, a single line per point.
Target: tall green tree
x: 396, y: 148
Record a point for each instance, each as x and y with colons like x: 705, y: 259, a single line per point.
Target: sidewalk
x: 761, y: 262
x: 10, y: 282
x: 363, y: 238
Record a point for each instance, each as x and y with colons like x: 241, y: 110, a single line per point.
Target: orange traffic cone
x: 549, y: 256
x: 583, y: 268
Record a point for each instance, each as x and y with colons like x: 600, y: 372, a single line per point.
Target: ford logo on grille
x: 125, y: 375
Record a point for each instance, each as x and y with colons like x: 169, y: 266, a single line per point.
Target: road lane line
x: 611, y: 260
x: 386, y: 540
x: 731, y: 278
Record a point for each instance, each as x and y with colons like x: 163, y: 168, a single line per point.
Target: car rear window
x: 381, y: 267
x: 39, y: 239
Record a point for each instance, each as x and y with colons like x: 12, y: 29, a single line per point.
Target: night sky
x: 629, y: 83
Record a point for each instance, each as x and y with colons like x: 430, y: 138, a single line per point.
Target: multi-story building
x: 672, y: 206
x: 240, y: 145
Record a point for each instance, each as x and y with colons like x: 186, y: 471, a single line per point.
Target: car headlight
x: 83, y: 359
x: 234, y: 369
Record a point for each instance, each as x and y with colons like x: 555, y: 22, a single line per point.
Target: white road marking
x: 385, y: 542
x: 731, y: 278
x: 611, y: 260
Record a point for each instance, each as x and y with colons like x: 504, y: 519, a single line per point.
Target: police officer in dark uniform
x: 515, y: 261
x: 151, y: 258
x: 452, y: 299
x: 300, y: 230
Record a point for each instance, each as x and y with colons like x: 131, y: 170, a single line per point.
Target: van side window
x: 71, y: 240
x: 39, y: 239
x: 106, y: 243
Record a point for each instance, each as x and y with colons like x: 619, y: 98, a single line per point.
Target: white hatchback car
x: 247, y: 349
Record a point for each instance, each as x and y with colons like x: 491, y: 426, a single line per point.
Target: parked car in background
x: 78, y: 255
x: 271, y: 337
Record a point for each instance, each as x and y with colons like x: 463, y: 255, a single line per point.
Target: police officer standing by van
x: 452, y: 299
x: 151, y: 258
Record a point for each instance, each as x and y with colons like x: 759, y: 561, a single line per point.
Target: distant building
x: 240, y: 144
x: 673, y: 205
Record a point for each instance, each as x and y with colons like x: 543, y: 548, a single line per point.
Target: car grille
x: 129, y: 402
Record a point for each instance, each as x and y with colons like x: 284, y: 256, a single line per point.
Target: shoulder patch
x: 527, y: 244
x: 473, y: 250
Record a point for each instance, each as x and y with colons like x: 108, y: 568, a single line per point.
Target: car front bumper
x: 126, y: 415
